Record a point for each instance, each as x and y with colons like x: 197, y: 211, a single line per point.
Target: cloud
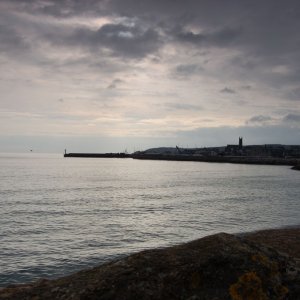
x: 165, y: 50
x: 120, y: 40
x: 186, y: 70
x: 183, y: 106
x: 12, y: 43
x: 293, y: 94
x: 227, y: 90
x: 292, y: 118
x: 58, y: 9
x: 246, y: 87
x: 114, y: 84
x: 220, y: 38
x: 260, y: 119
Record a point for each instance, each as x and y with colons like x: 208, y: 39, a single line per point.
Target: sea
x: 60, y: 215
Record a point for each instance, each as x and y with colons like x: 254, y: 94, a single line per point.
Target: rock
x: 220, y: 266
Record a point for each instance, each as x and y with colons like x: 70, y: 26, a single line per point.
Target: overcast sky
x: 112, y: 75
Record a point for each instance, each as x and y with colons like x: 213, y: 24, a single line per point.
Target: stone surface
x: 297, y: 167
x: 220, y: 266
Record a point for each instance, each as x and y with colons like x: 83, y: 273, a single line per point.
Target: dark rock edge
x: 259, y: 265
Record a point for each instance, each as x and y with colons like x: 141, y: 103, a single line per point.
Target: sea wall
x: 98, y: 155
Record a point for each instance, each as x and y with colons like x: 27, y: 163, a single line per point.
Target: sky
x: 116, y: 75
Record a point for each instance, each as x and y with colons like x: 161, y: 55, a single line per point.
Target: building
x: 236, y: 150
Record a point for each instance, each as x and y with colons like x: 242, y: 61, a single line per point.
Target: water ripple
x: 60, y: 215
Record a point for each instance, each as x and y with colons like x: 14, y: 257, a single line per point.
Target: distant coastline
x: 257, y: 160
x: 267, y: 154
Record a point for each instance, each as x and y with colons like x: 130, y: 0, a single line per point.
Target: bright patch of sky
x: 137, y: 74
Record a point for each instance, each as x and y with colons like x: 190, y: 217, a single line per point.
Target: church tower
x: 240, y: 142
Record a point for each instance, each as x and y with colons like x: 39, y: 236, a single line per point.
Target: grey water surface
x: 59, y: 215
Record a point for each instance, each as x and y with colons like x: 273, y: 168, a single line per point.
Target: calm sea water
x: 59, y: 215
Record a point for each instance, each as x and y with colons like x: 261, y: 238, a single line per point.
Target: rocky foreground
x: 297, y: 167
x: 259, y: 266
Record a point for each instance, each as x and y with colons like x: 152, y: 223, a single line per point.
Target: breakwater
x: 98, y: 155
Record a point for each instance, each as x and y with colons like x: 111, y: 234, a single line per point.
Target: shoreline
x: 254, y: 160
x: 185, y: 270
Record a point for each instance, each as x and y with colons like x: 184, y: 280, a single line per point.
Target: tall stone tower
x: 240, y: 142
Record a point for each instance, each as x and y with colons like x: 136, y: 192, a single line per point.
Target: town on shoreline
x: 270, y: 154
